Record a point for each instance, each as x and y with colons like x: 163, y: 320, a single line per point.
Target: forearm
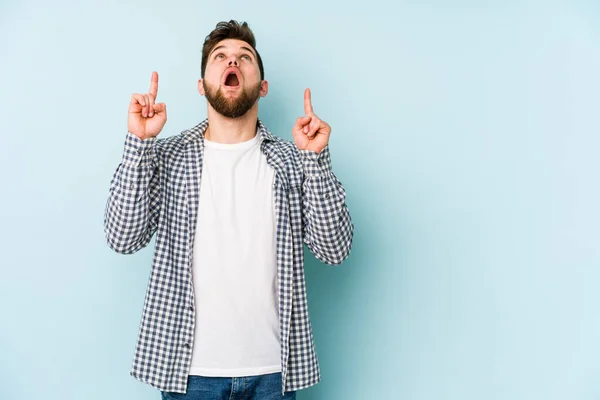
x: 328, y: 227
x: 133, y: 204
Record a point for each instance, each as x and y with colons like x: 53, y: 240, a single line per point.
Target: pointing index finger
x: 154, y: 84
x: 307, y: 103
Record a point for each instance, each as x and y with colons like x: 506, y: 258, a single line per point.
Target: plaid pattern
x: 155, y: 189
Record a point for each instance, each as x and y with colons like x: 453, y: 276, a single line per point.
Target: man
x: 225, y: 314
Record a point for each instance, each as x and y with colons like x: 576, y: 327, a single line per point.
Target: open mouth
x: 232, y: 79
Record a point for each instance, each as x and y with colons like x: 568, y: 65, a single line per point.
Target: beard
x: 231, y: 108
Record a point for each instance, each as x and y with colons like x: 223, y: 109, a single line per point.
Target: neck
x: 231, y: 130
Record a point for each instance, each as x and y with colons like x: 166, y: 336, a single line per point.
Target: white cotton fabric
x: 234, y: 266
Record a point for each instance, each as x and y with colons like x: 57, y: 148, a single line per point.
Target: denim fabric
x: 260, y: 387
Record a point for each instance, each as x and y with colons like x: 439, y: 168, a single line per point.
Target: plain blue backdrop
x: 466, y: 134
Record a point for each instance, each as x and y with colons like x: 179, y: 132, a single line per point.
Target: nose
x: 233, y: 62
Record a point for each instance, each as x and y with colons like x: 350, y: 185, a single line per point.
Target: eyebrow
x: 243, y: 48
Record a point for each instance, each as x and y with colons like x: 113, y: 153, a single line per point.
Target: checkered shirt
x: 155, y: 189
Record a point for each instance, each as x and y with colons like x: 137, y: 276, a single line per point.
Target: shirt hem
x: 216, y: 372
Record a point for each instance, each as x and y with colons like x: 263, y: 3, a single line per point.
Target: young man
x: 225, y: 314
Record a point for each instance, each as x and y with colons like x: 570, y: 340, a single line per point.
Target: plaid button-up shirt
x: 155, y: 189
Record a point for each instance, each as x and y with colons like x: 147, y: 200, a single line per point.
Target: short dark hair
x: 230, y: 30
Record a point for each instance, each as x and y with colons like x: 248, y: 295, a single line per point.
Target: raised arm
x: 328, y: 227
x: 133, y: 206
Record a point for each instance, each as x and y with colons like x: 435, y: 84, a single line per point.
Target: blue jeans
x: 260, y: 387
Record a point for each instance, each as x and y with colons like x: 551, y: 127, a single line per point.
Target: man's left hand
x: 310, y: 132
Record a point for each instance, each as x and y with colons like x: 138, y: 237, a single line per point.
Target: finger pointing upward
x: 154, y: 84
x: 152, y: 93
x: 308, y: 110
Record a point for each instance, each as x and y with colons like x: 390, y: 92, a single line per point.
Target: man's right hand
x: 146, y: 119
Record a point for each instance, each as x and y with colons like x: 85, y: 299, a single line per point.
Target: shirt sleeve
x: 327, y: 226
x: 133, y: 206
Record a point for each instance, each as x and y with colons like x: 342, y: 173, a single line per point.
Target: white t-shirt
x: 234, y: 265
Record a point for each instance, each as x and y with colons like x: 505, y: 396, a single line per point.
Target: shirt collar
x: 197, y: 132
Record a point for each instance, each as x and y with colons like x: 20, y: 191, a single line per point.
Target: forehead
x: 233, y: 45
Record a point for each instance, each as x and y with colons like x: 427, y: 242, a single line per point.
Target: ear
x: 201, y: 87
x: 264, y: 88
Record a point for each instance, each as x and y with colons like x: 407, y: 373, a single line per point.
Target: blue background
x: 466, y: 136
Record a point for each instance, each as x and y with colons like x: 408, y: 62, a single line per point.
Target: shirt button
x: 186, y: 345
x: 191, y: 308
